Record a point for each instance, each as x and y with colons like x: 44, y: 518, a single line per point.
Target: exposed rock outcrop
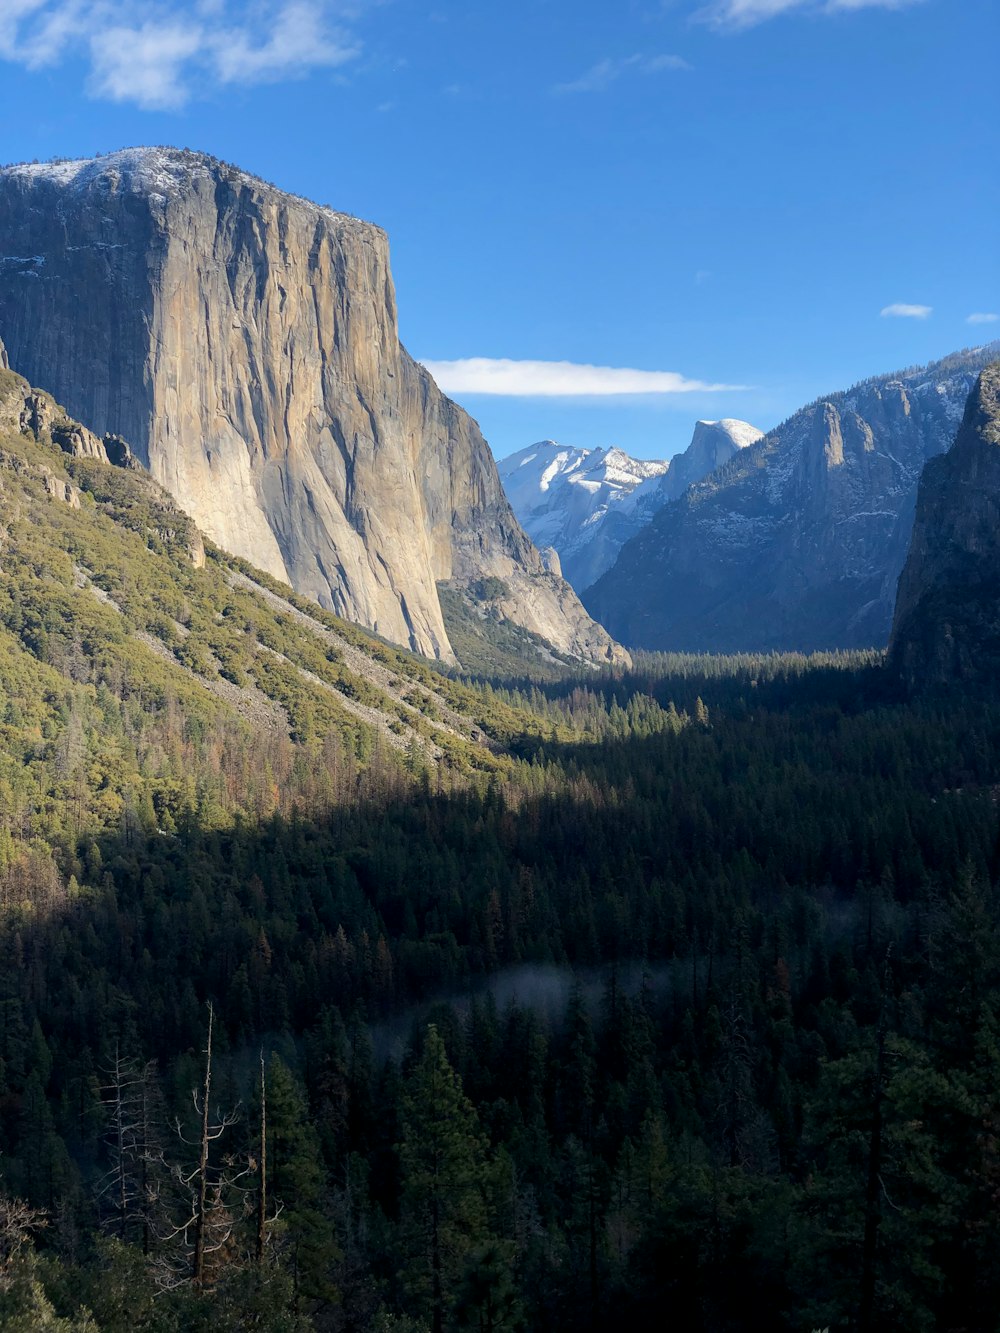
x: 32, y: 412
x: 35, y: 414
x: 120, y: 453
x: 245, y: 342
x: 947, y: 622
x: 798, y: 541
x: 713, y: 444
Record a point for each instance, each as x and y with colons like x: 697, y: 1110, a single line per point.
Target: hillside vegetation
x: 533, y: 1003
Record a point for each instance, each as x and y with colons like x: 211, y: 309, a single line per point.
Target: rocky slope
x: 947, y: 621
x: 245, y: 342
x: 798, y: 541
x: 586, y: 503
x: 106, y: 582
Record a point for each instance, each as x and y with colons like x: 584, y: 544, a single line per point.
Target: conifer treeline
x: 791, y: 1122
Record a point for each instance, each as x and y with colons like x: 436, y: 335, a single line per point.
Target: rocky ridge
x: 570, y: 500
x: 798, y: 541
x: 586, y: 503
x: 245, y: 342
x: 947, y: 621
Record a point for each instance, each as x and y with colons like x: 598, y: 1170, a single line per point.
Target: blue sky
x: 778, y: 197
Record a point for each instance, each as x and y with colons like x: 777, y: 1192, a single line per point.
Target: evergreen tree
x: 442, y: 1156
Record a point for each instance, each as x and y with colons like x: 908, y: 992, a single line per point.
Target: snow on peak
x: 153, y: 171
x: 586, y: 503
x: 142, y: 170
x: 563, y: 495
x: 741, y: 433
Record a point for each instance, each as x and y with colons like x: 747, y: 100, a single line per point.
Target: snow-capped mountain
x: 565, y: 497
x: 586, y: 503
x: 798, y: 541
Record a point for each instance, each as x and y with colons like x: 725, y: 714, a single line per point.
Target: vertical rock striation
x: 244, y: 341
x: 947, y: 621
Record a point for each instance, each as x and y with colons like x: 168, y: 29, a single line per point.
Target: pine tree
x: 442, y: 1208
x: 295, y: 1184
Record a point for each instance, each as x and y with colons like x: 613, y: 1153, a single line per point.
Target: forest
x: 764, y: 1094
x: 342, y: 993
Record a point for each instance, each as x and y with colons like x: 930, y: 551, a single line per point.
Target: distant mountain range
x: 585, y: 504
x: 797, y: 542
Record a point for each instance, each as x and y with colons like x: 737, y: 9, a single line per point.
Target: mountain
x: 947, y: 622
x: 586, y: 503
x: 798, y: 541
x: 114, y: 607
x: 571, y: 500
x: 245, y: 342
x: 712, y: 444
x: 247, y: 847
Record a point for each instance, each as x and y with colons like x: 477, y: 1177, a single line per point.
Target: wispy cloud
x: 156, y: 53
x: 982, y: 317
x: 735, y: 14
x: 560, y: 379
x: 601, y: 76
x: 901, y: 310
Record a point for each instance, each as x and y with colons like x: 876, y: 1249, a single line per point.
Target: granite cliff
x: 713, y: 444
x: 245, y: 342
x: 798, y: 541
x: 947, y: 622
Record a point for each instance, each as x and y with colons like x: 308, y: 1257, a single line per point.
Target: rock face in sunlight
x: 798, y: 541
x: 947, y: 623
x: 586, y: 503
x: 245, y: 343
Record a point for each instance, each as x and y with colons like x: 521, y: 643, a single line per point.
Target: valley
x: 389, y: 943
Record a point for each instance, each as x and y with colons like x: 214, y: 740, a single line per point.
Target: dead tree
x: 130, y: 1188
x: 209, y: 1187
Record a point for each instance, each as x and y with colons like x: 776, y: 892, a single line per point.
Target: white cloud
x: 143, y: 65
x: 900, y: 310
x: 982, y: 317
x: 559, y: 379
x: 298, y: 40
x: 736, y: 14
x: 606, y: 72
x: 157, y: 53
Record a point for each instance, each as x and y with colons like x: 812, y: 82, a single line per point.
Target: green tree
x: 296, y: 1185
x: 442, y: 1155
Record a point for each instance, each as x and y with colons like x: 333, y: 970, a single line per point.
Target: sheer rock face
x: 713, y: 444
x: 947, y: 622
x: 245, y: 343
x: 798, y: 541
